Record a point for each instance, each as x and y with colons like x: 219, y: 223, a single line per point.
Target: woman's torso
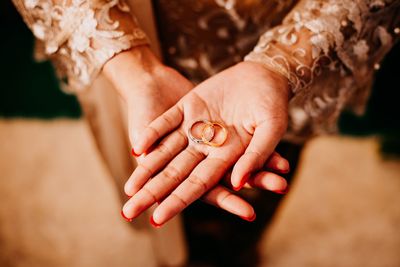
x: 200, y: 38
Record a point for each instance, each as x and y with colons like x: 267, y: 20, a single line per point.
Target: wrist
x: 281, y: 82
x: 127, y: 67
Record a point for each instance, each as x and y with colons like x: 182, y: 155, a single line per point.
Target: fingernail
x: 134, y: 154
x: 287, y: 169
x: 242, y: 182
x: 283, y: 192
x: 281, y: 165
x: 154, y: 224
x: 126, y: 218
x: 237, y: 188
x: 251, y: 219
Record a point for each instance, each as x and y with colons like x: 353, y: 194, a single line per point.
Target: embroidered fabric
x: 328, y: 51
x: 201, y: 38
x: 80, y: 36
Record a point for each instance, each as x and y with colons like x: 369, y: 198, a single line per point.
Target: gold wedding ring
x: 223, y: 139
x: 200, y: 140
x: 208, y: 133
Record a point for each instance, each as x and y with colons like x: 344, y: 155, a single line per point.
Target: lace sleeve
x: 328, y: 50
x: 79, y: 36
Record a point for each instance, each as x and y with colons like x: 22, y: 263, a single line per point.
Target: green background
x: 27, y: 88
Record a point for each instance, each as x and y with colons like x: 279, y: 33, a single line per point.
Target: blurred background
x: 58, y: 206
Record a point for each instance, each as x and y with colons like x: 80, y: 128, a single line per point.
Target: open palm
x: 252, y: 104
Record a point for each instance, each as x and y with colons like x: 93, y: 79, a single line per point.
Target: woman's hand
x: 148, y: 87
x: 252, y: 103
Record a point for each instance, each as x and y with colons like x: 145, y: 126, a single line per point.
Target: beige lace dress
x: 327, y: 49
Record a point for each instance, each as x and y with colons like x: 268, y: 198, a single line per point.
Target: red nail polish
x: 251, y: 219
x: 286, y: 171
x: 154, y: 224
x: 237, y: 188
x: 126, y: 218
x: 283, y: 192
x: 283, y: 171
x: 134, y: 154
x: 242, y: 182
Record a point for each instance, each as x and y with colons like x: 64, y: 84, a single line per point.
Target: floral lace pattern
x: 328, y: 50
x: 201, y: 38
x: 80, y: 35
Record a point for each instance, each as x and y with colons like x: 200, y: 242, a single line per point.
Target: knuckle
x: 150, y: 193
x: 222, y: 162
x: 154, y: 131
x: 193, y: 154
x: 197, y: 181
x: 223, y: 199
x: 167, y: 118
x: 257, y: 158
x: 172, y: 174
x: 163, y: 148
x: 145, y: 169
x: 180, y: 199
x: 183, y: 137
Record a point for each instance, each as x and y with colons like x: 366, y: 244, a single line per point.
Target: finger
x: 222, y: 198
x: 269, y: 181
x: 205, y: 176
x: 277, y: 163
x: 154, y: 161
x: 157, y: 129
x: 162, y: 184
x: 260, y: 148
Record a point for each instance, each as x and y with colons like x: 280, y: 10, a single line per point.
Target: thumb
x: 136, y: 124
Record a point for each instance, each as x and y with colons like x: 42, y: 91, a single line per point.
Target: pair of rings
x: 208, y: 133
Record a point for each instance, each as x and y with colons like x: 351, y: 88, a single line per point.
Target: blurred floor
x: 343, y: 209
x: 58, y: 206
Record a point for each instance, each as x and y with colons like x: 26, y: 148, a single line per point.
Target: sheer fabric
x: 327, y: 49
x: 80, y: 35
